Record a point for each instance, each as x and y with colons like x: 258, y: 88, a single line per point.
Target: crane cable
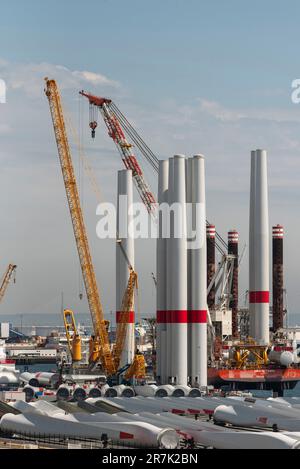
x: 138, y: 137
x: 152, y: 160
x: 221, y: 245
x: 80, y: 187
x: 86, y: 164
x: 83, y: 162
x: 92, y: 178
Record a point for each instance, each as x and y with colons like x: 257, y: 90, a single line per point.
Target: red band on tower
x: 211, y: 231
x: 161, y: 317
x: 197, y: 316
x: 125, y: 317
x: 182, y: 317
x: 259, y: 297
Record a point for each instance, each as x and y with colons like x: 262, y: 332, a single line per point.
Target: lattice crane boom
x: 6, y: 279
x: 122, y: 326
x: 117, y: 126
x: 101, y: 340
x: 72, y: 335
x: 115, y: 131
x: 101, y: 343
x: 70, y: 327
x: 137, y: 368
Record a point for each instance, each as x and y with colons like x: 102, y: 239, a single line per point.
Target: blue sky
x: 193, y: 76
x: 231, y: 51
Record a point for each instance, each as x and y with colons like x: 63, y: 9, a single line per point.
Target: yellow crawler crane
x: 6, y: 279
x: 127, y: 306
x: 100, y: 349
x: 101, y: 346
x: 73, y: 338
x: 137, y: 369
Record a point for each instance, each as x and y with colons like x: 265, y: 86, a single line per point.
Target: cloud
x: 218, y: 111
x: 28, y: 77
x: 226, y: 114
x: 38, y: 234
x: 95, y: 78
x: 226, y: 135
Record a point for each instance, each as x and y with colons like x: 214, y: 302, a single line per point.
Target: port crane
x: 115, y: 131
x: 127, y: 306
x: 138, y: 367
x: 10, y: 271
x: 100, y: 349
x: 101, y: 345
x: 118, y: 126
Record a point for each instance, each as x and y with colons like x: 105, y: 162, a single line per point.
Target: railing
x: 43, y: 441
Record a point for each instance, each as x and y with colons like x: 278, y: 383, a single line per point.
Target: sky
x: 194, y: 76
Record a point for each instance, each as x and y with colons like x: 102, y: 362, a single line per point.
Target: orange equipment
x: 99, y: 345
x: 6, y: 279
x: 73, y: 338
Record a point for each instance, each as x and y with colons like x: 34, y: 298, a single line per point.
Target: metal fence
x: 64, y: 442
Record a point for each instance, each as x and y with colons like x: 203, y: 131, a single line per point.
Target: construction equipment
x: 73, y: 338
x: 137, y: 368
x: 223, y: 280
x: 100, y: 349
x: 118, y: 125
x: 115, y: 122
x: 11, y: 269
x: 249, y: 355
x: 127, y: 306
x: 111, y: 116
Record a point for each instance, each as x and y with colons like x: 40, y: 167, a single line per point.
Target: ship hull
x: 268, y: 378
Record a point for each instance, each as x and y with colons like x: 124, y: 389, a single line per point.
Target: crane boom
x: 115, y: 122
x: 70, y: 327
x: 6, y: 279
x: 122, y: 326
x: 73, y: 338
x: 124, y: 147
x: 101, y: 336
x: 101, y: 344
x: 137, y: 368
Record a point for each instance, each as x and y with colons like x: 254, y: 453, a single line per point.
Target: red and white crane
x: 113, y: 118
x: 118, y: 125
